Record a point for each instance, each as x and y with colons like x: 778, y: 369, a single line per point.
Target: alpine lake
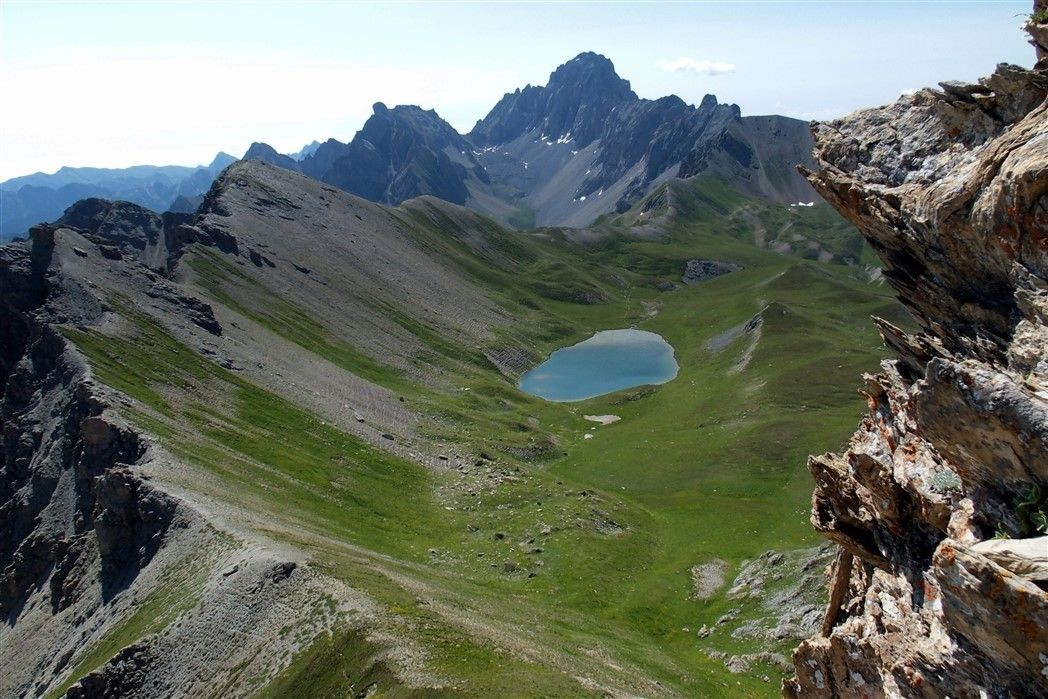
x: 609, y: 361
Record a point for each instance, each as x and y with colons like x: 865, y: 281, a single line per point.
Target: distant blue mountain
x: 306, y: 151
x: 32, y: 199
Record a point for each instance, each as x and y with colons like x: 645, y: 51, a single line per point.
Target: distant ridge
x: 31, y: 199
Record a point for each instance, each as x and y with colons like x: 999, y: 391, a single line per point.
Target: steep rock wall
x: 951, y: 190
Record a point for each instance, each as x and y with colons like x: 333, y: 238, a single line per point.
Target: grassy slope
x: 709, y: 465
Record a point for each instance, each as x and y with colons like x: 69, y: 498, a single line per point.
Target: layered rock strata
x: 938, y: 503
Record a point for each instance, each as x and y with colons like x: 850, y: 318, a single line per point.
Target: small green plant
x: 946, y: 481
x: 1040, y: 16
x: 1032, y: 512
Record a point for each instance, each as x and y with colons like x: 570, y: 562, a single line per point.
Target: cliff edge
x: 939, y: 503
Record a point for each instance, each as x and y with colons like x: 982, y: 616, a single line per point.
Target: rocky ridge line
x: 89, y: 540
x: 951, y: 190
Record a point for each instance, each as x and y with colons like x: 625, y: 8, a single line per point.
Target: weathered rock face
x: 58, y: 437
x: 696, y: 271
x: 121, y: 228
x: 951, y: 190
x: 1037, y: 26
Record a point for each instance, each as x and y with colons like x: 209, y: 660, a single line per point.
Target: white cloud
x: 700, y: 67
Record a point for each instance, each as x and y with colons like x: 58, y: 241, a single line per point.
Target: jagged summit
x: 573, y: 105
x: 401, y: 152
x: 308, y: 149
x: 589, y: 68
x: 585, y: 144
x: 268, y: 154
x: 221, y: 161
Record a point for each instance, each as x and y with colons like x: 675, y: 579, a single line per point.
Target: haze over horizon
x: 166, y: 83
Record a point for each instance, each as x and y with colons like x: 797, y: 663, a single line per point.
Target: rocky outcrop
x: 120, y: 227
x: 950, y: 188
x: 1037, y: 27
x: 696, y: 271
x: 66, y: 493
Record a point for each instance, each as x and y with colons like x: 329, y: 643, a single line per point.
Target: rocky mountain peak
x: 585, y: 128
x: 307, y: 150
x: 258, y: 149
x: 268, y: 154
x: 408, y: 121
x: 591, y: 72
x: 574, y: 105
x: 221, y: 162
x: 378, y: 163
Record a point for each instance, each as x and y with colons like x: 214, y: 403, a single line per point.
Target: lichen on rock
x: 950, y: 188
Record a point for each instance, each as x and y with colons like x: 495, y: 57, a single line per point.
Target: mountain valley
x: 329, y: 383
x: 272, y: 442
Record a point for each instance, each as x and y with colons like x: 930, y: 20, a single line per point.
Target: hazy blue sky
x: 121, y: 83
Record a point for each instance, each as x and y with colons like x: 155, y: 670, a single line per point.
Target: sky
x: 122, y: 83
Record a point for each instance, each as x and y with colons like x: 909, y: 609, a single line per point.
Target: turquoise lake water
x: 611, y: 360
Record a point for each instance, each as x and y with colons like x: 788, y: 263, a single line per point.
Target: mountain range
x: 31, y: 199
x: 563, y: 154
